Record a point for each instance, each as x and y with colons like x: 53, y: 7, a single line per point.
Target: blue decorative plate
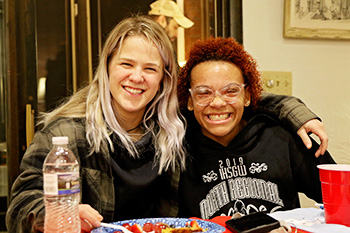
x: 210, y: 227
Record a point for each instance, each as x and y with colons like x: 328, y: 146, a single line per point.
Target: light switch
x: 277, y: 82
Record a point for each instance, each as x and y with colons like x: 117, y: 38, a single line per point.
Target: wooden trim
x: 236, y: 21
x: 12, y: 101
x: 21, y: 70
x: 89, y: 43
x: 73, y: 13
x: 215, y: 18
x: 83, y: 44
x: 29, y: 124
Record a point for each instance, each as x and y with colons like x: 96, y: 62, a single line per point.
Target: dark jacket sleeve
x: 304, y: 166
x: 291, y: 111
x: 26, y: 209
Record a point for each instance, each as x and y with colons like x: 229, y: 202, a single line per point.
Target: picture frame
x: 317, y: 19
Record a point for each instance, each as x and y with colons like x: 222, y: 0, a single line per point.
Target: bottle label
x: 61, y: 183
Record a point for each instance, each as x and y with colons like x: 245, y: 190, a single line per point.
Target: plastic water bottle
x: 61, y: 189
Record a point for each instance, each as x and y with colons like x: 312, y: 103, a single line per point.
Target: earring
x: 247, y: 103
x: 190, y: 108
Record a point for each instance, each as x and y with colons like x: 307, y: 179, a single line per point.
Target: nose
x: 217, y: 100
x: 136, y: 76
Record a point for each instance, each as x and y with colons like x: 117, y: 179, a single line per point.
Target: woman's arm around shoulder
x: 293, y: 113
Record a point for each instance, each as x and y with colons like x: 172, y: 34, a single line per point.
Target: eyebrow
x: 220, y: 88
x: 202, y: 86
x: 132, y: 60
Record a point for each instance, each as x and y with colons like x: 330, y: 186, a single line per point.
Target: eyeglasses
x: 203, y: 96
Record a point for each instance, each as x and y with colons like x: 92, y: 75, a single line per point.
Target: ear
x: 190, y: 104
x: 162, y: 21
x: 246, y: 98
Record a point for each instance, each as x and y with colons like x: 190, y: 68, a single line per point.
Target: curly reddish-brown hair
x: 220, y: 49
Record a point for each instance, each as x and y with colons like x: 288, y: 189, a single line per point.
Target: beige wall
x: 320, y: 68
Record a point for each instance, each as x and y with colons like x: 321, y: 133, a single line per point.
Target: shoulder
x: 261, y: 120
x: 73, y: 128
x: 264, y: 125
x: 65, y: 125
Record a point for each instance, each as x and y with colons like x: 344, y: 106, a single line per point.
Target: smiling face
x: 135, y: 74
x: 219, y: 121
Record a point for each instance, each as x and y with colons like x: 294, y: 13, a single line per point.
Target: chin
x: 219, y: 133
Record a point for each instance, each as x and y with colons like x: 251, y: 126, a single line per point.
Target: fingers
x: 323, y: 146
x: 319, y: 131
x: 89, y: 217
x: 279, y: 230
x: 305, y: 137
x: 316, y: 127
x: 86, y: 226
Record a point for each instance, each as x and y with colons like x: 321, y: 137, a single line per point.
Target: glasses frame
x: 240, y: 86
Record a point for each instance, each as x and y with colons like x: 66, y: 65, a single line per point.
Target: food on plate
x: 148, y: 227
x: 127, y: 226
x: 189, y: 228
x: 136, y: 228
x: 160, y: 227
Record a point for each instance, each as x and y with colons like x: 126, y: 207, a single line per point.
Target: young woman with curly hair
x: 289, y: 110
x: 242, y: 161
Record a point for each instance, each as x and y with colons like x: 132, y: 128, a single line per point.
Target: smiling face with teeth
x: 135, y: 73
x: 219, y: 121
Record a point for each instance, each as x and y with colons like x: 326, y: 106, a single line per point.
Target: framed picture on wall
x: 317, y: 19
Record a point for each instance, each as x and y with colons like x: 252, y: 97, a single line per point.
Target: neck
x: 132, y: 129
x: 135, y: 133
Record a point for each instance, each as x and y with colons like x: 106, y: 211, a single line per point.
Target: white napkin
x: 309, y: 219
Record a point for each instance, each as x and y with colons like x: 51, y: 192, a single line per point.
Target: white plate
x: 176, y: 222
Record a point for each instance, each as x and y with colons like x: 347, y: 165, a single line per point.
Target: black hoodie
x: 262, y: 169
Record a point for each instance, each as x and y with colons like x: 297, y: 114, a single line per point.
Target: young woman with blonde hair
x: 125, y: 129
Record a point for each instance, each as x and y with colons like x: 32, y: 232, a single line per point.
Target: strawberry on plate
x: 136, y: 228
x: 148, y: 227
x: 194, y: 224
x: 127, y: 226
x: 158, y: 226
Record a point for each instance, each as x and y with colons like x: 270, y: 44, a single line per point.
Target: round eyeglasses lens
x: 203, y: 96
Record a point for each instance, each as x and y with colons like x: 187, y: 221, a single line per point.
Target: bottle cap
x: 60, y: 140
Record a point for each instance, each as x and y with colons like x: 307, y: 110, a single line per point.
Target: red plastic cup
x: 335, y: 183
